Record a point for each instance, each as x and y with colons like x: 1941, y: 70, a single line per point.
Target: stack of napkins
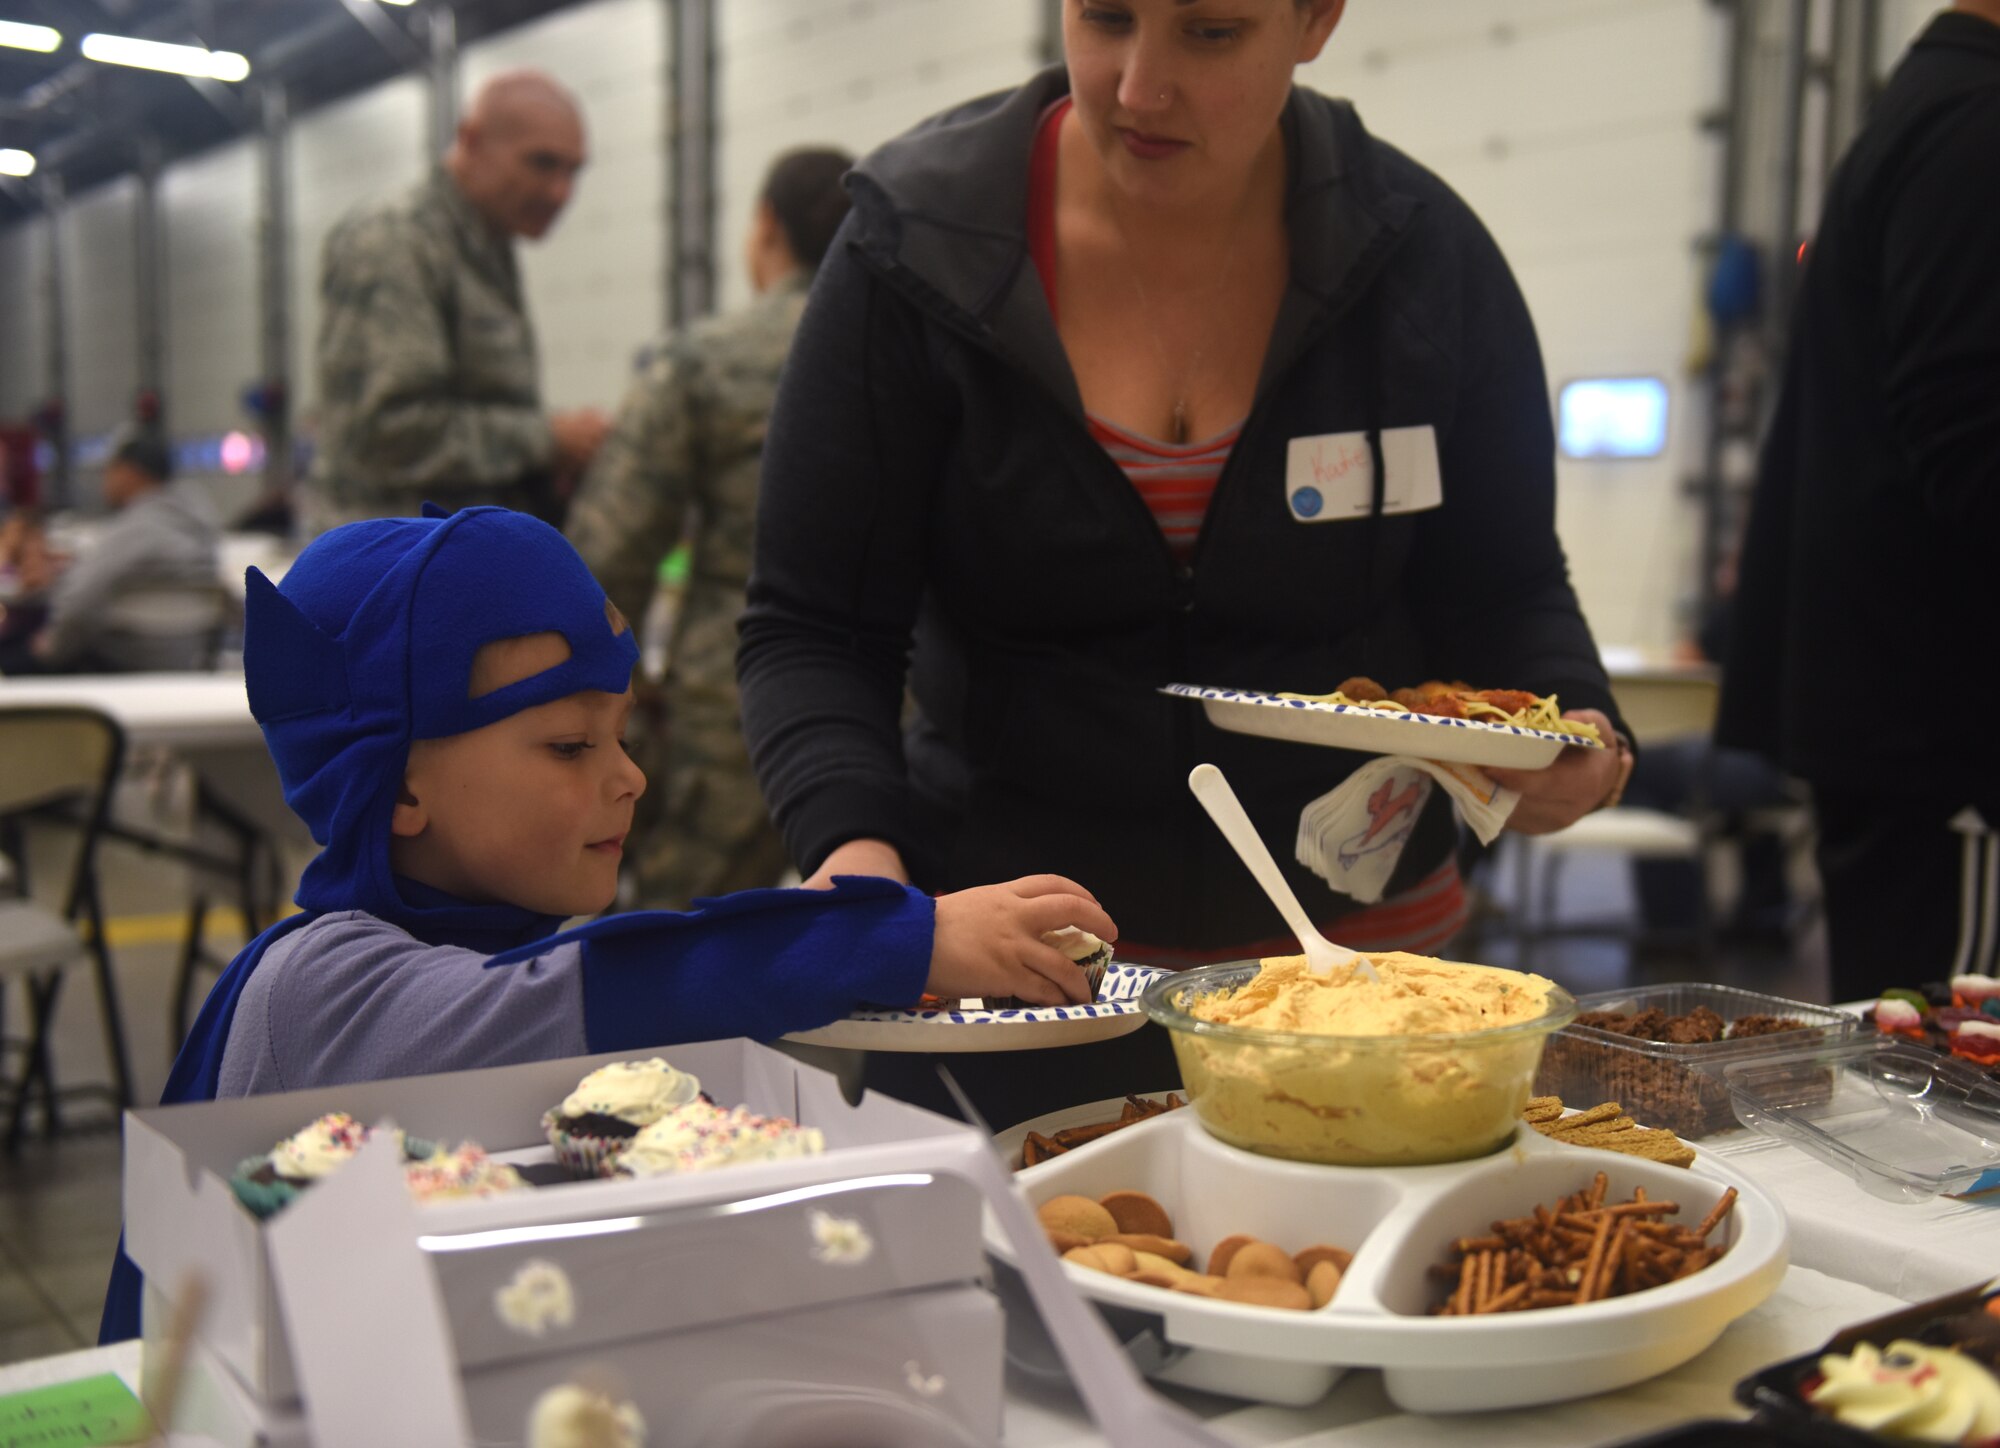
x: 1352, y: 836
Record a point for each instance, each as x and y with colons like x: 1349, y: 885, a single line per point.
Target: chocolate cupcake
x: 610, y: 1106
x: 1092, y: 956
x: 266, y: 1183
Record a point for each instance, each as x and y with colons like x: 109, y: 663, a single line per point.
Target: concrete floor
x: 59, y: 1200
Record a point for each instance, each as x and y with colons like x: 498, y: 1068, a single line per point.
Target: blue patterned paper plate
x: 1378, y: 731
x: 1115, y: 1012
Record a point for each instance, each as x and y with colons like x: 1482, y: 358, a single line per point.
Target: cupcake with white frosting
x: 266, y: 1183
x: 458, y: 1175
x: 702, y: 1137
x: 599, y: 1119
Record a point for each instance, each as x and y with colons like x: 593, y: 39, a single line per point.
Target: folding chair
x: 167, y: 626
x: 57, y: 764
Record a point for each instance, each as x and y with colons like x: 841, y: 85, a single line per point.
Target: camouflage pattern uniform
x: 684, y: 454
x: 427, y: 372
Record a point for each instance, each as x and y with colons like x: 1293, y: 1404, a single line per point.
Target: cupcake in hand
x: 610, y: 1106
x: 1091, y: 955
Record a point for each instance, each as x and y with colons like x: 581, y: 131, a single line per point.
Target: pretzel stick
x: 1587, y: 1282
x: 1716, y: 1213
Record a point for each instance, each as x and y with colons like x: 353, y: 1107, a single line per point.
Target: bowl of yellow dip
x: 1431, y: 1062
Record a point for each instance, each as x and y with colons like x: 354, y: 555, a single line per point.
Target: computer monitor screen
x: 1613, y: 417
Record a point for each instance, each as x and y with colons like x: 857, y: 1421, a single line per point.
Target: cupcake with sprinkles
x: 460, y: 1175
x: 266, y: 1183
x: 703, y: 1137
x: 599, y: 1119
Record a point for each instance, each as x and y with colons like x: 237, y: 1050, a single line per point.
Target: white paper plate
x: 1397, y: 1221
x: 1115, y: 1012
x: 1378, y: 731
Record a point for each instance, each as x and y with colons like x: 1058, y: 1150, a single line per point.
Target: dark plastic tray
x: 1774, y: 1396
x: 1719, y: 1433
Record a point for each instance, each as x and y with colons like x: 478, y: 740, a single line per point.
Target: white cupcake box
x: 639, y: 1257
x: 1398, y: 1221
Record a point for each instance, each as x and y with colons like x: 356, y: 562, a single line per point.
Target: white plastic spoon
x: 1227, y: 811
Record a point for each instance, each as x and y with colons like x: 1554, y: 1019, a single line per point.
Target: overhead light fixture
x: 29, y: 37
x: 398, y: 2
x: 16, y: 163
x: 157, y: 55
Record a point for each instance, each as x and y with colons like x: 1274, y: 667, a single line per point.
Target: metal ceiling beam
x: 273, y: 63
x: 387, y: 33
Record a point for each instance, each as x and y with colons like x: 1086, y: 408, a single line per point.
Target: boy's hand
x: 988, y: 941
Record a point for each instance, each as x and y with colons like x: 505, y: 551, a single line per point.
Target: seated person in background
x: 162, y: 537
x: 455, y: 739
x: 27, y: 572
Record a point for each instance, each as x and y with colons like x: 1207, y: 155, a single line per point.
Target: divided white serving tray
x: 1398, y: 1221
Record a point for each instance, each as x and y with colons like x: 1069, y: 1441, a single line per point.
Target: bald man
x: 428, y: 385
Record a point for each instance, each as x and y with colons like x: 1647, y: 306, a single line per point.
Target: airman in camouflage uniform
x: 427, y: 368
x: 682, y: 460
x: 686, y: 446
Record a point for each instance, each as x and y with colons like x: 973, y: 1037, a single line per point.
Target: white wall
x: 807, y: 72
x: 208, y: 217
x: 358, y: 149
x: 1571, y: 127
x: 101, y: 269
x: 596, y: 285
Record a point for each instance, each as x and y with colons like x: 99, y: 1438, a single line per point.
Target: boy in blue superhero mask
x: 444, y: 698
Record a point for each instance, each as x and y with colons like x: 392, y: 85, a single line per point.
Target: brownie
x: 1656, y: 1092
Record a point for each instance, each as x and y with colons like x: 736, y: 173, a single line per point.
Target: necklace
x: 1179, y: 429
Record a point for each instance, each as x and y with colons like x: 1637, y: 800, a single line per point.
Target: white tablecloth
x: 1805, y: 1310
x: 1910, y: 1250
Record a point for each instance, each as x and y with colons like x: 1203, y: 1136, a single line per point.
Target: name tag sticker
x: 1331, y: 478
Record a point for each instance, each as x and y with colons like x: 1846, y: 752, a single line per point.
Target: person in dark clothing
x: 1155, y: 369
x: 1862, y: 656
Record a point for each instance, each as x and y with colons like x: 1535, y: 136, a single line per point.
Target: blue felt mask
x: 369, y: 644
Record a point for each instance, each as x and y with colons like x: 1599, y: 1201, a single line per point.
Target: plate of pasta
x: 1453, y: 723
x: 968, y: 1026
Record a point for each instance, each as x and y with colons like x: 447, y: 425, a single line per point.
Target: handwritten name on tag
x: 1331, y: 478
